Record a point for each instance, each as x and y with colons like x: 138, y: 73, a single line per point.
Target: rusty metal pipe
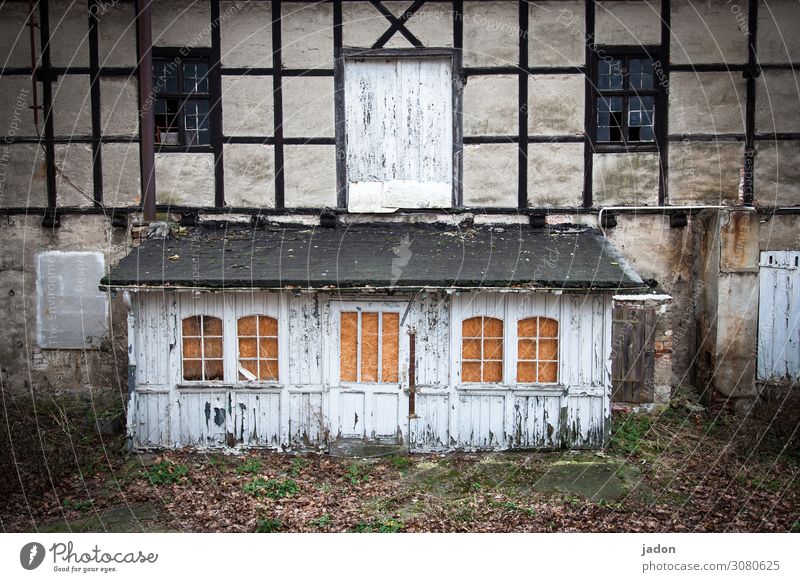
x: 34, y: 65
x: 147, y: 127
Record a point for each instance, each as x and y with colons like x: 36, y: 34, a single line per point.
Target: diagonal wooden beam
x: 397, y: 24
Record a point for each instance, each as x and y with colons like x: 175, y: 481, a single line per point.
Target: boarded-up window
x: 258, y: 348
x: 537, y: 350
x: 202, y: 348
x: 399, y: 132
x: 482, y: 350
x: 369, y: 347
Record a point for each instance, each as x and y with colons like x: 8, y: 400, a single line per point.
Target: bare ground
x: 679, y: 470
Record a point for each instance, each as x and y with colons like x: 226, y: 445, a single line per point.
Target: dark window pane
x: 640, y: 118
x: 640, y: 73
x: 195, y: 113
x: 609, y: 119
x: 609, y: 73
x: 195, y: 78
x: 166, y: 121
x: 165, y: 77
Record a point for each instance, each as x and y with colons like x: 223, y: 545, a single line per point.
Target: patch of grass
x: 217, y: 461
x: 250, y: 466
x: 323, y: 521
x: 268, y: 525
x: 629, y: 433
x: 77, y: 504
x: 464, y: 513
x: 400, y: 462
x: 271, y: 488
x: 379, y: 526
x: 166, y: 473
x: 357, y: 475
x: 298, y: 464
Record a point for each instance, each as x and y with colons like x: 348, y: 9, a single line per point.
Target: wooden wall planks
x: 308, y: 407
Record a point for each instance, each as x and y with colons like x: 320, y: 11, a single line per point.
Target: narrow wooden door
x: 779, y: 317
x: 369, y: 372
x: 632, y: 354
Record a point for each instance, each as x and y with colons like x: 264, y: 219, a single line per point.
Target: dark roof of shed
x: 378, y: 256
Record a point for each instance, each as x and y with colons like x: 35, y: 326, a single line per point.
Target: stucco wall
x: 27, y: 366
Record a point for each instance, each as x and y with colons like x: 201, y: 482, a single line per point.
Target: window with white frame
x: 537, y: 350
x: 482, y: 350
x: 258, y: 348
x: 203, y: 351
x: 202, y: 348
x: 399, y: 132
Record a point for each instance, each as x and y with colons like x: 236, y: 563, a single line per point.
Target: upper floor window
x: 202, y: 348
x: 482, y: 349
x: 399, y: 128
x: 258, y: 348
x: 182, y: 101
x: 626, y: 98
x: 537, y: 350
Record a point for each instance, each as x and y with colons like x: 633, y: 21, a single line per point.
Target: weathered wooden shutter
x: 632, y: 363
x: 399, y: 133
x: 779, y: 317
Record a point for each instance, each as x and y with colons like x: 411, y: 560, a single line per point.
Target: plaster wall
x: 247, y: 105
x: 250, y: 175
x: 116, y: 34
x: 628, y: 22
x: 490, y: 175
x: 555, y: 174
x: 185, y: 179
x: 491, y: 105
x: 625, y: 179
x: 777, y: 173
x: 778, y: 102
x: 491, y: 34
x: 25, y: 365
x: 705, y: 172
x: 121, y: 175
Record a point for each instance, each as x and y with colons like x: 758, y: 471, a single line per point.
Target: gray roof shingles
x: 378, y: 256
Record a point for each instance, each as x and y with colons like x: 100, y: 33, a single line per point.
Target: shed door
x: 632, y: 354
x: 779, y: 317
x: 368, y: 401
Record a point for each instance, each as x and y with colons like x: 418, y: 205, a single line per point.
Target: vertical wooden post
x: 412, y: 374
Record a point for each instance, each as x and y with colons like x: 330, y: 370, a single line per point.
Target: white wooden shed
x: 421, y: 338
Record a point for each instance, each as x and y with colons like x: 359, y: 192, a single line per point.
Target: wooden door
x: 779, y: 317
x: 369, y: 369
x: 633, y: 331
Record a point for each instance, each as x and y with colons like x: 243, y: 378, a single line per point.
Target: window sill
x: 207, y: 386
x: 616, y: 148
x: 184, y: 149
x: 538, y: 388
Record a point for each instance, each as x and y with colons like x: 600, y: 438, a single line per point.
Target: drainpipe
x: 697, y: 207
x: 147, y: 129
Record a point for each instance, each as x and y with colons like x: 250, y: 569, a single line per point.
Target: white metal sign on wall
x: 779, y: 316
x: 71, y: 312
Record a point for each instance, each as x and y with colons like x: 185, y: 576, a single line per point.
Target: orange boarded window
x: 258, y: 348
x: 202, y: 348
x: 537, y: 350
x: 482, y: 349
x: 370, y: 343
